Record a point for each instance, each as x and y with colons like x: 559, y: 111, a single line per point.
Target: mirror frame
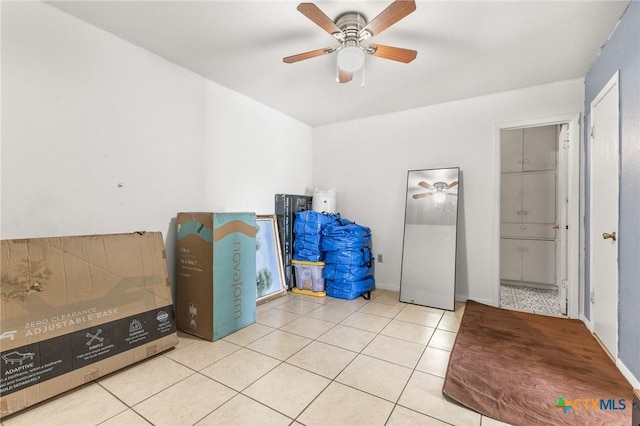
x: 421, y: 222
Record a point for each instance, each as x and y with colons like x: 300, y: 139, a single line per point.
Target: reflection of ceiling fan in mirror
x: 438, y: 189
x: 351, y: 29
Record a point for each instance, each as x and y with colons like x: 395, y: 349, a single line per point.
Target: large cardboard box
x: 286, y: 207
x: 77, y: 308
x: 216, y: 273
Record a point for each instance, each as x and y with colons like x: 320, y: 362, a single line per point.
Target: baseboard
x: 627, y: 374
x: 623, y: 368
x: 586, y: 322
x: 388, y: 287
x: 479, y: 300
x: 458, y: 297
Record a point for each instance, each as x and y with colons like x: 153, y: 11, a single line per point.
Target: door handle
x: 608, y: 236
x: 556, y: 226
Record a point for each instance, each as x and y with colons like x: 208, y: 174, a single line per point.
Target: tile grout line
x: 413, y: 369
x: 304, y: 316
x: 333, y: 380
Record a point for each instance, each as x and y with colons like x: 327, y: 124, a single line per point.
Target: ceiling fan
x: 351, y: 29
x: 438, y: 189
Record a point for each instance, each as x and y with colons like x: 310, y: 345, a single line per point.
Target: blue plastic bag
x: 349, y: 290
x: 343, y: 273
x: 351, y: 256
x: 307, y: 229
x: 307, y: 251
x: 312, y: 222
x: 342, y: 234
x: 308, y: 255
x: 308, y: 239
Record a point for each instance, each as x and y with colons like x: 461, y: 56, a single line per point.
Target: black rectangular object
x: 286, y: 206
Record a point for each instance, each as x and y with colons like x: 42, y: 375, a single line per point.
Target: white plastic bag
x: 325, y: 201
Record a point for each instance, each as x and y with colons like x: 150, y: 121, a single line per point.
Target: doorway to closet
x: 535, y: 213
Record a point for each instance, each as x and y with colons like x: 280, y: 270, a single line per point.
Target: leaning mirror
x: 428, y: 275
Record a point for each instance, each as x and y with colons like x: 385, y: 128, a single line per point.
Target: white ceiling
x: 465, y: 49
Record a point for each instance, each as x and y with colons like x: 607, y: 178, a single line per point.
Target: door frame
x: 573, y: 216
x: 562, y: 252
x: 612, y: 84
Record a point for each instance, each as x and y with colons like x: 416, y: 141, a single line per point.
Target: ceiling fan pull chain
x: 362, y: 84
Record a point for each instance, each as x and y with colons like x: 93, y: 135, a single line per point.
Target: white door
x: 603, y: 213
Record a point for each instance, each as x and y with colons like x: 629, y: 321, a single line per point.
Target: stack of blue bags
x: 307, y: 230
x: 348, y: 259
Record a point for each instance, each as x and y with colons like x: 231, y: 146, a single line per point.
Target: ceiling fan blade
x: 344, y: 76
x: 392, y: 14
x: 452, y: 184
x: 417, y: 196
x: 425, y: 185
x: 393, y: 53
x: 307, y: 55
x: 314, y: 13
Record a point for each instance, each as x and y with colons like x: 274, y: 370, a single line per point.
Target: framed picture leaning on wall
x: 269, y: 266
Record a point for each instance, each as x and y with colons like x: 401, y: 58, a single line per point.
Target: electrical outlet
x: 379, y: 257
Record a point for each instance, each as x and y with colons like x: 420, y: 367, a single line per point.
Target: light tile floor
x: 306, y: 361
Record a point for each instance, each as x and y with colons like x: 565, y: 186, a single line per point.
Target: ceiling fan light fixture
x: 439, y: 186
x: 439, y: 197
x: 350, y: 58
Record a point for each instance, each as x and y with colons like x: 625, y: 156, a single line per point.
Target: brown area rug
x: 514, y: 366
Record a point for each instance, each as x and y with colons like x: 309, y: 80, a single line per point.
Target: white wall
x: 84, y: 111
x: 367, y: 161
x: 252, y: 153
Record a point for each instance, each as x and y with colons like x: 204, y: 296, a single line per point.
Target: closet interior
x: 528, y: 218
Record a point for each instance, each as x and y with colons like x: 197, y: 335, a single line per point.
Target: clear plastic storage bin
x: 309, y: 275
